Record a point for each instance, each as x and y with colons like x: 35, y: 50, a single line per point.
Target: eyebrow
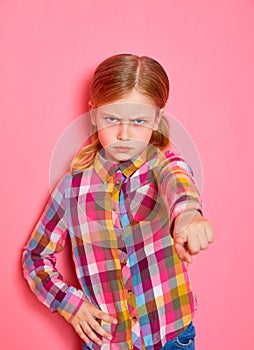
x: 110, y: 115
x: 132, y: 118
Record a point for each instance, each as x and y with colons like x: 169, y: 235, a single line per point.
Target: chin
x: 123, y: 158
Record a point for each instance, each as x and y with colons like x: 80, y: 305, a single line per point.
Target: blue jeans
x: 185, y: 340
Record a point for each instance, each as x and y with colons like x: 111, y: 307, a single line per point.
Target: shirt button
x: 134, y: 319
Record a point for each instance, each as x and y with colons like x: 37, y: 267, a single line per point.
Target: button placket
x: 116, y: 191
x: 129, y: 292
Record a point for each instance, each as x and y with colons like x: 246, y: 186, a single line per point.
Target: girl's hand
x: 192, y: 233
x: 86, y: 323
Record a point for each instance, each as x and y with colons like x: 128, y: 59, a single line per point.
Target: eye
x: 111, y: 119
x: 139, y: 121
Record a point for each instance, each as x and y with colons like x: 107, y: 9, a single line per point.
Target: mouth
x: 122, y: 149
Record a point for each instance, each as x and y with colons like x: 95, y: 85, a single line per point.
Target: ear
x: 158, y: 117
x: 90, y: 106
x: 92, y: 115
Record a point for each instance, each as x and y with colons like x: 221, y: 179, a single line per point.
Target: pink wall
x: 48, y: 51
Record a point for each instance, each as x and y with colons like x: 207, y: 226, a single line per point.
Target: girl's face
x: 125, y: 127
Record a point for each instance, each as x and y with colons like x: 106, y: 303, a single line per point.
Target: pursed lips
x: 122, y: 148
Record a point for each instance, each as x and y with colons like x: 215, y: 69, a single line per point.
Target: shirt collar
x: 105, y: 168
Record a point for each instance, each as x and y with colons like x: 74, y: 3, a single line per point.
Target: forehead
x: 127, y: 110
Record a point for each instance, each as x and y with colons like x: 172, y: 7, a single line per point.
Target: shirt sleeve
x: 178, y: 186
x: 39, y: 260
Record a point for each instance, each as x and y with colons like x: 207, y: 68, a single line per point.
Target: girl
x: 133, y: 212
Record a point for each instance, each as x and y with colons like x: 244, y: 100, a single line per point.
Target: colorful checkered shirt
x: 120, y: 219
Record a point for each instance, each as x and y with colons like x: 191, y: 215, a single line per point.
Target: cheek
x: 143, y: 134
x: 106, y: 136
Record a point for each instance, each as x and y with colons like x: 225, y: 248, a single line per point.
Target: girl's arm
x: 178, y: 186
x: 39, y: 261
x: 190, y: 230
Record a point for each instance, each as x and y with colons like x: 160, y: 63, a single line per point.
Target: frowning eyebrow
x: 111, y: 115
x: 143, y: 117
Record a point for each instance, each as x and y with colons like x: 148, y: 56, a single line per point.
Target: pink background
x: 48, y: 51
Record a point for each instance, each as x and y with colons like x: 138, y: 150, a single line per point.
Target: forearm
x: 178, y: 188
x: 47, y: 284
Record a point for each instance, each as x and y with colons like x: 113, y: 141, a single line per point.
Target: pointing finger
x: 182, y: 253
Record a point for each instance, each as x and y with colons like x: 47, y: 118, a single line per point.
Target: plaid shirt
x: 119, y: 218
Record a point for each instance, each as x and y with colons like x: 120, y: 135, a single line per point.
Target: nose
x: 123, y: 131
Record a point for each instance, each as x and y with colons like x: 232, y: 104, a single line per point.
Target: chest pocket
x: 143, y: 204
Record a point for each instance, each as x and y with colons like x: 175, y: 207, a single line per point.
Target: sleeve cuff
x: 71, y: 303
